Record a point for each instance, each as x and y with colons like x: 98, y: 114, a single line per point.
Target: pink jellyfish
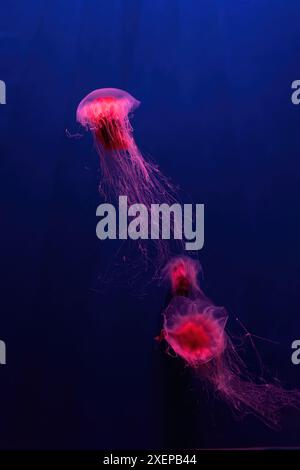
x: 182, y: 273
x: 105, y: 112
x: 195, y: 330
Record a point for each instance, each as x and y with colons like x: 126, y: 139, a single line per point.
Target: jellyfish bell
x: 105, y: 112
x: 195, y: 330
x: 180, y: 278
x: 181, y: 272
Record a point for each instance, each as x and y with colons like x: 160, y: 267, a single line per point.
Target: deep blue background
x: 214, y: 78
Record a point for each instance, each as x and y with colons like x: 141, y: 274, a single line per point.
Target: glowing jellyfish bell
x: 195, y: 331
x: 181, y: 272
x: 105, y: 112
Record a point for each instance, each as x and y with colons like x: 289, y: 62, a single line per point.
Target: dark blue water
x: 214, y: 79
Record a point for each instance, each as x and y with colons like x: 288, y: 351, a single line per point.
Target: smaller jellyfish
x: 125, y: 171
x: 182, y: 274
x: 195, y: 330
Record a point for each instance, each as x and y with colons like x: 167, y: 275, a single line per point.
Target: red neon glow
x: 105, y: 113
x: 124, y: 170
x: 195, y: 332
x: 182, y: 273
x: 194, y: 328
x: 197, y: 338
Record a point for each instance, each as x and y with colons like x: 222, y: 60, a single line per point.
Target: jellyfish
x: 182, y: 274
x: 125, y: 171
x: 195, y: 330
